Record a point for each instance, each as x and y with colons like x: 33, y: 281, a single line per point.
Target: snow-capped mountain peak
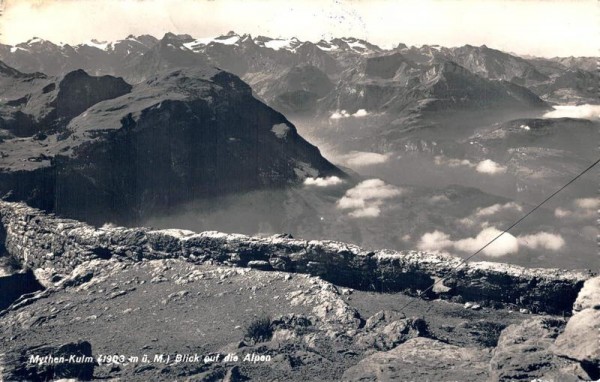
x: 348, y: 44
x: 102, y: 45
x: 289, y: 44
x: 35, y: 40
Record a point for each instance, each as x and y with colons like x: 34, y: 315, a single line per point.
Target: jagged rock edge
x: 53, y: 247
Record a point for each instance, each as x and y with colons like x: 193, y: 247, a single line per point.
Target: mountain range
x: 134, y: 58
x: 403, y: 87
x: 138, y: 129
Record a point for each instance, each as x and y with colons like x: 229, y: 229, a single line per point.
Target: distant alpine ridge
x: 348, y: 62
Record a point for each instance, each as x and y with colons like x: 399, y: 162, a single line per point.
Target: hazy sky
x: 543, y: 28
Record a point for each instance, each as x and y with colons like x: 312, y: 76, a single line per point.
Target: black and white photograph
x: 303, y: 190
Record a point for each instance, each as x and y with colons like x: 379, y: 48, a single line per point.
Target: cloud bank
x: 496, y: 208
x: 339, y: 114
x: 542, y: 240
x: 323, y: 182
x: 363, y: 158
x: 452, y: 162
x: 587, y: 111
x: 582, y: 209
x: 504, y: 245
x: 367, y: 197
x: 488, y: 166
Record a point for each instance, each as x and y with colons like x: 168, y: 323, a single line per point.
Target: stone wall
x: 53, y: 247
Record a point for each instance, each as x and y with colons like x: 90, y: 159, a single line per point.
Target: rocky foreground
x: 287, y: 309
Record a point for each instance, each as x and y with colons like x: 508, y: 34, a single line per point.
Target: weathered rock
x: 580, y: 341
x: 385, y: 330
x: 329, y: 308
x: 393, y: 334
x: 589, y: 295
x: 72, y: 360
x: 422, y: 359
x: 31, y: 235
x: 138, y: 154
x: 523, y: 350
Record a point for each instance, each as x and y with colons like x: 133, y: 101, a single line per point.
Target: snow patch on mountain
x: 286, y: 44
x: 229, y: 39
x: 102, y: 45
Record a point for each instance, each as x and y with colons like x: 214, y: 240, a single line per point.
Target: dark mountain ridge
x: 180, y: 135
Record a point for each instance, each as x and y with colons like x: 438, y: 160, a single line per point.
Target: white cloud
x: 587, y: 111
x: 562, y: 213
x: 280, y: 130
x: 467, y: 221
x: 588, y: 203
x: 373, y: 189
x: 323, y: 182
x: 363, y: 158
x: 348, y: 203
x: 496, y: 208
x: 543, y: 240
x: 367, y: 212
x: 504, y: 245
x: 440, y: 160
x: 583, y: 208
x: 360, y: 113
x: 488, y: 166
x: 438, y: 198
x: 339, y: 114
x: 366, y: 198
x: 434, y: 241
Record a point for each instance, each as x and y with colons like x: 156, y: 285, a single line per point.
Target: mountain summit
x: 129, y: 154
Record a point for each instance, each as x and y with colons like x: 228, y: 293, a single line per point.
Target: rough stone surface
x: 523, y: 350
x: 15, y: 366
x: 580, y: 340
x: 422, y: 359
x: 57, y: 246
x: 385, y: 330
x: 589, y: 295
x: 99, y: 150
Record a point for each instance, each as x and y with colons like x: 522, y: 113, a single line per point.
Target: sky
x: 528, y: 27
